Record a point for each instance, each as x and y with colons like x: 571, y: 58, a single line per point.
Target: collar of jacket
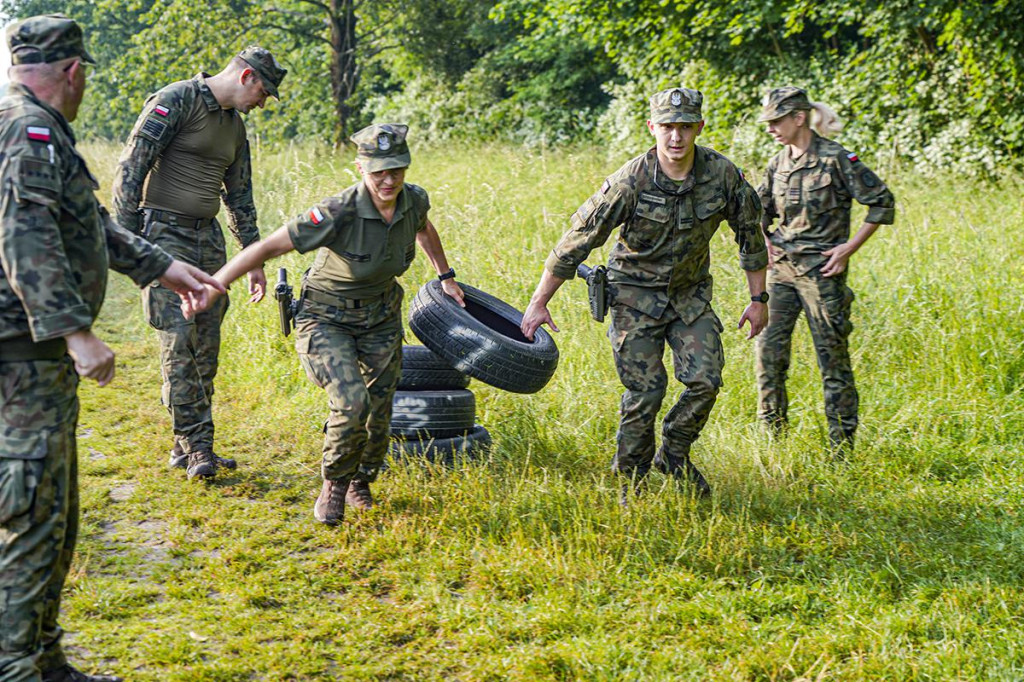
x: 22, y: 90
x: 699, y: 171
x: 205, y: 92
x: 810, y: 157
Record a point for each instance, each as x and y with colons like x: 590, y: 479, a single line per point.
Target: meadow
x: 903, y: 562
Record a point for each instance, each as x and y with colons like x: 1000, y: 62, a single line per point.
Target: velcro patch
x: 37, y: 174
x: 153, y: 129
x: 606, y: 186
x: 38, y: 133
x: 315, y: 216
x: 161, y: 109
x: 794, y: 195
x: 852, y: 157
x: 652, y: 198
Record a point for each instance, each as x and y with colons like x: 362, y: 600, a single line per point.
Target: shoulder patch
x: 606, y: 186
x: 38, y: 133
x: 316, y: 216
x: 869, y: 179
x: 161, y: 110
x: 37, y: 174
x: 852, y: 157
x: 153, y: 129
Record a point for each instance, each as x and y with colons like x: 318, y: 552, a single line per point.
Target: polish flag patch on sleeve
x: 316, y: 216
x: 161, y: 109
x: 38, y: 133
x: 852, y: 157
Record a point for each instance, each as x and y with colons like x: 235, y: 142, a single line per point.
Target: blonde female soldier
x: 808, y: 187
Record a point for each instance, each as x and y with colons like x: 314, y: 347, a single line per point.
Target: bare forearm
x: 430, y: 242
x: 863, y: 234
x: 756, y: 281
x: 546, y: 288
x: 255, y: 255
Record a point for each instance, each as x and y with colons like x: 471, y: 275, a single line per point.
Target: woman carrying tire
x: 808, y: 186
x: 349, y: 327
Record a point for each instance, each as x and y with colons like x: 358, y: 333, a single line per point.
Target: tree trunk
x: 344, y: 77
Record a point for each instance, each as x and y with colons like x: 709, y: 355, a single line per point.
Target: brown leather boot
x: 330, y: 505
x: 359, y: 495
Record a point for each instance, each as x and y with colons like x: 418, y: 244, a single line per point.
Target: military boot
x: 179, y: 460
x: 330, y: 505
x: 201, y: 464
x: 359, y: 495
x: 70, y: 674
x: 682, y: 469
x: 629, y: 492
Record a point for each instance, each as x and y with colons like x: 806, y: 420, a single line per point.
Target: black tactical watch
x: 447, y: 275
x: 763, y: 298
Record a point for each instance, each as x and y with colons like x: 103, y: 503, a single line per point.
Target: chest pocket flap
x: 658, y: 213
x: 709, y: 207
x: 820, y: 182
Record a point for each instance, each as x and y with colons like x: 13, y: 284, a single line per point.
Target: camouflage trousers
x: 189, y: 349
x: 38, y: 511
x: 826, y: 303
x: 638, y: 343
x: 355, y: 354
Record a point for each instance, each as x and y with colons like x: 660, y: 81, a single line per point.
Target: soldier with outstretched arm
x: 56, y: 245
x: 348, y: 326
x: 669, y: 202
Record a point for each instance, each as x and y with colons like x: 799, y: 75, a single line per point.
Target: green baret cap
x: 678, y: 105
x: 270, y: 72
x: 382, y: 147
x: 46, y: 38
x: 782, y: 101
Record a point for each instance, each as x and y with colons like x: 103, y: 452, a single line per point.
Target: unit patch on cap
x: 315, y: 216
x: 676, y: 98
x: 38, y: 133
x: 161, y: 109
x: 383, y: 142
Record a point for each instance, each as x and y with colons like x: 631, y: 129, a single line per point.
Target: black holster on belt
x: 287, y: 308
x: 597, y: 289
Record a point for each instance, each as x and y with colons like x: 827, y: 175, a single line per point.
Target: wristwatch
x: 447, y: 275
x: 763, y: 298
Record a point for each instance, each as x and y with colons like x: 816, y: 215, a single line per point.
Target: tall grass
x: 905, y: 562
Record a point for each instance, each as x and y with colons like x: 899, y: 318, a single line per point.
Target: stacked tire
x: 433, y: 413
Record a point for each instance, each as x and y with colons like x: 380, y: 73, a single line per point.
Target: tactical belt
x: 311, y: 294
x: 176, y: 219
x: 24, y: 349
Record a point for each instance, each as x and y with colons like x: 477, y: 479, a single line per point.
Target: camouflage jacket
x: 56, y: 240
x: 662, y: 255
x: 166, y: 114
x: 811, y: 197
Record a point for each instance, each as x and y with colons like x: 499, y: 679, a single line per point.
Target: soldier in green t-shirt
x: 349, y: 327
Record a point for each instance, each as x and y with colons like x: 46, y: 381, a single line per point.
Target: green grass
x: 904, y: 563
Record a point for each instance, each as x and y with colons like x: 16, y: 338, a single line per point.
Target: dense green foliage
x: 906, y: 563
x: 939, y: 84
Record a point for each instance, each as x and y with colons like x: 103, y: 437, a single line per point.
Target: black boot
x: 682, y: 469
x: 70, y: 674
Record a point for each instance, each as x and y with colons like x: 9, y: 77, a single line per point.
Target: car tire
x: 443, y: 450
x: 425, y: 370
x: 483, y: 339
x: 434, y: 414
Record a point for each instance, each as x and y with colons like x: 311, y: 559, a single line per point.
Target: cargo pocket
x: 162, y: 308
x: 21, y: 469
x: 310, y: 361
x: 836, y: 310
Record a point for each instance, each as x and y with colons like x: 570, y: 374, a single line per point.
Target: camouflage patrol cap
x: 782, y: 101
x: 270, y: 72
x: 46, y: 38
x: 382, y: 147
x: 678, y: 105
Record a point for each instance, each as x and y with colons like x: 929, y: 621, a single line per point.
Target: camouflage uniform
x: 811, y: 197
x: 56, y: 243
x: 349, y: 327
x: 660, y: 286
x: 185, y: 155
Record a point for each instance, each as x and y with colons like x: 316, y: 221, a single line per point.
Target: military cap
x: 678, y: 105
x: 382, y: 147
x: 46, y: 38
x: 782, y: 101
x: 270, y: 72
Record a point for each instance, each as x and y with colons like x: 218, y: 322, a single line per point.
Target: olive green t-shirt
x: 360, y: 254
x: 188, y: 176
